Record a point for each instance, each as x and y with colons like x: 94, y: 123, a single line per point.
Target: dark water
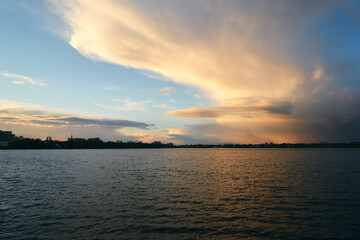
x: 180, y: 194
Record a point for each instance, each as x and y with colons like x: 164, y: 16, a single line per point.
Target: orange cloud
x: 149, y: 136
x: 265, y: 63
x: 230, y: 61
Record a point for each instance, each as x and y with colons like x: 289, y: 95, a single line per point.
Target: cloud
x: 149, y: 136
x: 175, y: 135
x: 193, y: 139
x: 167, y: 89
x: 273, y: 67
x: 111, y: 88
x: 128, y: 105
x: 332, y: 117
x: 220, y: 47
x: 99, y: 122
x: 17, y: 82
x: 17, y: 113
x: 20, y: 79
x: 163, y: 105
x: 198, y: 96
x: 195, y: 95
x: 246, y: 107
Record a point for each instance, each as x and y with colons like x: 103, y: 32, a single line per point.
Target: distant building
x: 5, y: 138
x: 94, y: 139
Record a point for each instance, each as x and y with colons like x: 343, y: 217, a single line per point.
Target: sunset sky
x: 181, y: 71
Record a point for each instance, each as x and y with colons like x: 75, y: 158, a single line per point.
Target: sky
x: 179, y: 71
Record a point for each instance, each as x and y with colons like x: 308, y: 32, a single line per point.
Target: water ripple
x: 180, y: 194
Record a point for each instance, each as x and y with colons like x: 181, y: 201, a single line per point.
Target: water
x: 180, y: 194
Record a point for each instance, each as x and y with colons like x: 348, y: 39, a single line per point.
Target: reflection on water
x: 180, y: 194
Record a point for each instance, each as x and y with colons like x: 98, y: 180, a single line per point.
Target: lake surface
x: 180, y: 194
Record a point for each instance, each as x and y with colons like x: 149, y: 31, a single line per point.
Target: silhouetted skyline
x: 10, y: 141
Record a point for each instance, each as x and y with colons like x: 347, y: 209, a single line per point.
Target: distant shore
x: 8, y: 140
x: 96, y: 143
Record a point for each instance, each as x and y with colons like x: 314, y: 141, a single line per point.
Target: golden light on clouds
x: 265, y: 63
x: 126, y: 34
x: 19, y: 115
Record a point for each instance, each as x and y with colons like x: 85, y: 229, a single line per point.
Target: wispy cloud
x: 154, y: 75
x: 198, y: 96
x: 163, y: 105
x: 17, y: 82
x: 20, y: 79
x: 128, y: 105
x: 167, y: 89
x: 110, y: 88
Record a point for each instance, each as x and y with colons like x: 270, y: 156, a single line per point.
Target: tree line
x: 96, y: 143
